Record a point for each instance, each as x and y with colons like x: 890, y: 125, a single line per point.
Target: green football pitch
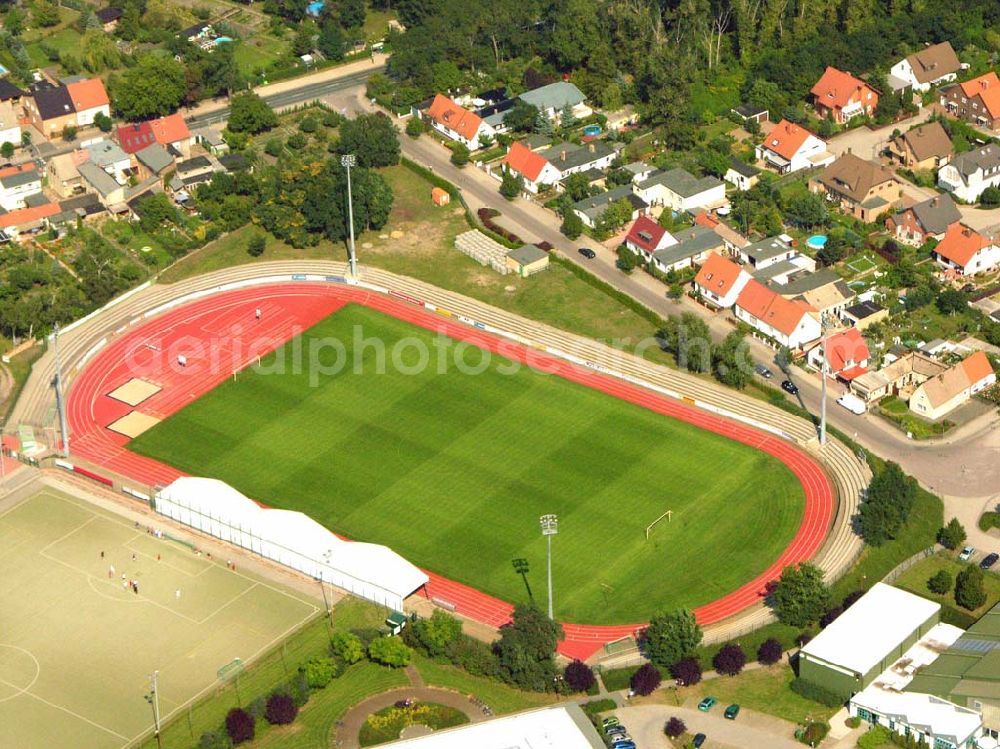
x: 453, y: 469
x: 76, y: 648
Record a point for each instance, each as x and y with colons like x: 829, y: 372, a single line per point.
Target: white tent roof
x: 872, y: 628
x: 380, y: 565
x: 211, y: 497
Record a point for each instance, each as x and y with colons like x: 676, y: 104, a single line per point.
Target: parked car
x: 852, y: 403
x: 763, y: 371
x: 620, y: 740
x: 588, y: 253
x: 616, y: 730
x: 790, y: 387
x: 699, y: 739
x: 989, y: 560
x: 707, y: 704
x: 967, y: 553
x: 732, y: 711
x: 611, y: 720
x: 627, y: 744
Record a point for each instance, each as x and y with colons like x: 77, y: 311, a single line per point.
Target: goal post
x: 668, y: 515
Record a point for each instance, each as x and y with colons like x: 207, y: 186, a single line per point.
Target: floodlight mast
x: 347, y: 161
x: 550, y: 526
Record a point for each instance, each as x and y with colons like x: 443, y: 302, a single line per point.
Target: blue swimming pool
x: 592, y: 130
x: 222, y: 39
x: 817, y: 241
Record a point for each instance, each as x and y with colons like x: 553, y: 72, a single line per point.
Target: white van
x: 852, y: 403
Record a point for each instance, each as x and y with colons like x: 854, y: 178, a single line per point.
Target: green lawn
x: 453, y: 472
x: 915, y: 580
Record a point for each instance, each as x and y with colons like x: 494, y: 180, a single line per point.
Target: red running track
x: 220, y: 334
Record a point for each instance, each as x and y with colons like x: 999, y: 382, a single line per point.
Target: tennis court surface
x: 77, y: 646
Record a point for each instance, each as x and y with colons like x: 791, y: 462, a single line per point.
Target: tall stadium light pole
x: 347, y: 161
x: 60, y: 398
x: 550, y: 526
x: 153, y: 698
x: 825, y: 325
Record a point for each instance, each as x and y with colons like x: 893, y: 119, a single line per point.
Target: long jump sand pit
x: 133, y: 424
x: 134, y: 392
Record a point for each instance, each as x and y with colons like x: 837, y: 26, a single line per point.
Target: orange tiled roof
x: 977, y: 367
x: 170, y: 129
x: 718, y: 275
x: 987, y: 88
x: 87, y: 94
x: 960, y: 244
x: 786, y: 139
x: 844, y: 347
x: 524, y: 161
x: 28, y: 166
x: 446, y: 112
x: 835, y: 88
x: 27, y: 215
x: 781, y: 314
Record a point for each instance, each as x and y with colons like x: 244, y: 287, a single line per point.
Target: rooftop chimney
x: 562, y: 155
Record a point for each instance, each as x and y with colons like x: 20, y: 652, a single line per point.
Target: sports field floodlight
x: 550, y: 527
x: 347, y: 161
x: 153, y: 698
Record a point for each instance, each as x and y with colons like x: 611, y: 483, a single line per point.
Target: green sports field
x: 76, y: 648
x: 452, y: 470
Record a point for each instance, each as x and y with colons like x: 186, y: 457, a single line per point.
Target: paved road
x: 645, y: 724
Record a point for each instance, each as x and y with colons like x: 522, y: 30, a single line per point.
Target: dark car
x: 699, y: 739
x: 732, y: 711
x: 588, y: 253
x: 989, y: 560
x: 763, y: 371
x: 790, y: 387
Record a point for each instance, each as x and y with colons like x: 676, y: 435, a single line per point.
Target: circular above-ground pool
x: 592, y: 130
x: 817, y: 241
x: 223, y: 40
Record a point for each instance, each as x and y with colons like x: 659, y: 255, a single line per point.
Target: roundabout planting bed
x: 388, y: 723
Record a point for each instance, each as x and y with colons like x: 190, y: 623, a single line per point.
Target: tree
x: 614, y: 216
x: 566, y: 117
x: 733, y: 365
x: 990, y: 197
x: 572, y: 225
x: 103, y: 122
x: 435, y: 634
x: 646, y: 679
x: 627, y: 260
x: 674, y: 728
x: 99, y: 51
x: 969, y: 591
x: 239, y: 725
x: 155, y: 211
x: 687, y: 671
x: 459, y: 154
x: 347, y: 647
x: 248, y: 113
x: 281, y: 709
x: 769, y: 652
x: 576, y: 187
x: 952, y: 535
x: 153, y: 88
x: 671, y: 636
x: 940, y: 582
x: 256, y: 245
x: 807, y: 210
x: 372, y: 138
x: 7, y: 149
x: 331, y: 41
x: 521, y: 117
x: 951, y: 301
x: 414, y: 127
x: 319, y: 671
x: 389, y: 651
x: 526, y: 647
x: 302, y: 42
x: 45, y: 14
x: 511, y: 184
x: 800, y: 597
x: 577, y: 33
x: 830, y: 616
x: 579, y: 676
x: 730, y: 660
x: 351, y: 13
x: 69, y: 132
x: 887, y: 505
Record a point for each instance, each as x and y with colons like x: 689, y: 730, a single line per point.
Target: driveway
x: 645, y: 724
x: 868, y: 143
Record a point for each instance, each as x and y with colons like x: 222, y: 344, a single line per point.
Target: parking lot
x: 645, y: 724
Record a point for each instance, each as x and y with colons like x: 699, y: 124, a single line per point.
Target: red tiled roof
x: 170, y: 129
x: 835, y: 88
x: 706, y: 219
x: 524, y: 161
x: 27, y: 215
x: 786, y: 139
x: 848, y: 346
x: 977, y: 367
x: 136, y: 136
x: 960, y: 244
x: 88, y: 94
x: 781, y: 314
x: 645, y: 233
x: 718, y: 275
x: 28, y: 166
x: 986, y: 87
x: 852, y: 374
x: 446, y: 112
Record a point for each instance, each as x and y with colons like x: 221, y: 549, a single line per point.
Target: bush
x: 769, y: 652
x: 281, y: 709
x: 730, y: 660
x: 473, y: 656
x: 969, y: 591
x: 940, y: 582
x: 875, y: 738
x: 256, y: 245
x: 257, y: 707
x: 296, y: 141
x: 593, y: 708
x: 308, y: 124
x: 239, y: 725
x: 646, y: 679
x: 953, y: 534
x: 459, y: 154
x: 486, y: 215
x: 830, y: 616
x: 853, y: 722
x: 274, y: 147
x: 675, y: 727
x: 816, y: 694
x: 814, y: 733
x: 579, y: 676
x: 214, y: 740
x: 389, y: 651
x: 319, y: 671
x: 687, y: 671
x: 414, y: 127
x: 989, y: 520
x: 347, y: 647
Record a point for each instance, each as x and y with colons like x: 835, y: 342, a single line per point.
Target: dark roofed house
x: 153, y: 159
x: 862, y: 188
x: 198, y: 31
x: 53, y: 102
x: 591, y: 209
x: 928, y: 219
x: 924, y: 147
x: 9, y: 92
x: 863, y: 314
x: 109, y: 18
x: 692, y: 248
x: 742, y: 175
x: 750, y: 112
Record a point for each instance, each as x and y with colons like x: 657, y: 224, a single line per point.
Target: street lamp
x: 550, y: 526
x: 347, y: 161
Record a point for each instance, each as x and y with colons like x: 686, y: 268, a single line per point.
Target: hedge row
x: 486, y: 216
x: 989, y: 520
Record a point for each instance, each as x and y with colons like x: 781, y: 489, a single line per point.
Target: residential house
x: 841, y: 96
x: 10, y: 92
x: 110, y: 193
x: 847, y: 355
x: 976, y: 101
x: 790, y: 147
x: 733, y: 240
x: 922, y: 221
x: 111, y: 158
x: 51, y: 108
x: 639, y: 170
x: 680, y: 191
x: 172, y: 132
x: 720, y: 281
x: 741, y: 175
x: 552, y: 99
x: 192, y: 172
x: 135, y: 136
x: 898, y: 378
x: 458, y: 123
x: 825, y: 293
x: 924, y: 147
x: 533, y: 168
x: 197, y: 33
x: 943, y: 393
x: 966, y: 251
x: 933, y: 65
x: 645, y: 237
x: 592, y: 208
x: 152, y: 161
x: 17, y: 183
x: 569, y: 158
x: 211, y: 140
x: 10, y: 124
x: 863, y: 314
x: 109, y: 18
x: 89, y: 100
x: 64, y: 175
x: 23, y: 222
x: 766, y: 252
x: 790, y: 323
x: 862, y: 188
x: 971, y: 172
x: 691, y: 248
x: 748, y: 112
